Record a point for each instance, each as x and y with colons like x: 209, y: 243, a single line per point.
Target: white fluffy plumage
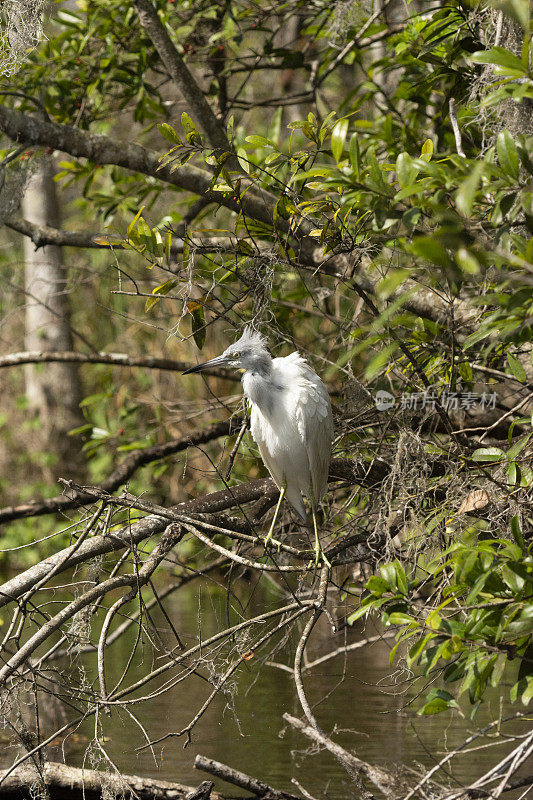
x: 290, y: 420
x: 294, y: 429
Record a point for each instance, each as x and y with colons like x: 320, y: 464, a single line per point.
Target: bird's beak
x: 219, y: 361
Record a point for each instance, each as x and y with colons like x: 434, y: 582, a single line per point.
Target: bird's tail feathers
x: 294, y: 496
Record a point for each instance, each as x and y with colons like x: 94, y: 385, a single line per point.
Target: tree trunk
x: 53, y: 393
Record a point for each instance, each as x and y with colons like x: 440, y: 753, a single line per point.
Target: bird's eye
x: 236, y: 355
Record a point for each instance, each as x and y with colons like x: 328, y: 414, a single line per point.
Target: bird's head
x: 247, y: 353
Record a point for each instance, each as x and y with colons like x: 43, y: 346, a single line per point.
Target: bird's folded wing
x: 315, y: 425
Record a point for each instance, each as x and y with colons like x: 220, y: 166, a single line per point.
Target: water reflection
x: 358, y: 694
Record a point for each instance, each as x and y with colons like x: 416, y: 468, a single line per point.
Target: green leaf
x: 516, y: 368
x: 498, y: 56
x: 401, y: 578
x: 377, y: 585
x: 429, y: 248
x: 439, y: 701
x: 406, y: 172
x: 476, y: 337
x: 488, y: 454
x: 498, y: 669
x: 465, y: 371
x: 357, y: 614
x: 467, y: 261
x: 399, y: 618
x: 388, y: 572
x: 518, y: 446
x: 514, y: 474
x: 168, y: 244
x: 135, y: 219
x: 517, y: 532
x: 338, y: 137
x: 527, y: 693
x: 507, y: 154
x: 380, y: 362
x: 355, y: 155
x: 242, y: 157
x: 198, y: 324
x: 464, y: 197
x: 259, y: 141
x: 188, y: 124
x: 390, y: 282
x: 169, y: 133
x: 427, y: 150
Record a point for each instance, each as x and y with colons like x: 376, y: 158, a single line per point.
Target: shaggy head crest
x: 250, y: 338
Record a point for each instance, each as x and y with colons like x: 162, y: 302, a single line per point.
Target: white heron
x: 290, y: 420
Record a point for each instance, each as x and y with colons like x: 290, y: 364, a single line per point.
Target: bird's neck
x: 257, y: 386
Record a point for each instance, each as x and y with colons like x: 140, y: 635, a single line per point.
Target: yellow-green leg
x: 318, y: 550
x: 275, y: 517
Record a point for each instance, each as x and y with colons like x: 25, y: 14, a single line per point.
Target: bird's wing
x: 315, y: 422
x: 259, y: 437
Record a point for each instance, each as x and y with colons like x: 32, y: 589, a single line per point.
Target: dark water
x: 367, y: 703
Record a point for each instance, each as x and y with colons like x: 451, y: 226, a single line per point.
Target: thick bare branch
x: 102, y: 150
x: 180, y: 74
x: 42, y: 235
x: 60, y: 777
x: 117, y: 359
x: 381, y: 779
x: 237, y: 778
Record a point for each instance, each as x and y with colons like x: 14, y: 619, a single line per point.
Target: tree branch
x: 138, y: 578
x: 42, y: 235
x: 237, y: 778
x: 117, y: 359
x: 382, y: 780
x: 87, y: 781
x: 235, y: 496
x: 102, y: 150
x: 178, y: 71
x: 122, y: 473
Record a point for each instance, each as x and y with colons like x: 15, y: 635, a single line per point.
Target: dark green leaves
x: 507, y: 154
x: 516, y: 368
x: 338, y: 137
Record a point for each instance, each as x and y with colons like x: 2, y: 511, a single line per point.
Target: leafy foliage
x: 405, y: 195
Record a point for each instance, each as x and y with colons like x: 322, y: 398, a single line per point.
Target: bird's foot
x: 320, y: 558
x: 269, y: 540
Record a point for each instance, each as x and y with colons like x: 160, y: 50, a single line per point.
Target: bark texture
x: 53, y: 393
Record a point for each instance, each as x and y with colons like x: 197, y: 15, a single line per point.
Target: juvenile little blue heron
x: 290, y: 420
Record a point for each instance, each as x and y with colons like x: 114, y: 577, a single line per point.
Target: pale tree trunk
x: 53, y: 393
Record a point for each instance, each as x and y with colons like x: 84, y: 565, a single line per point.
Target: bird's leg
x: 276, y: 512
x: 318, y: 550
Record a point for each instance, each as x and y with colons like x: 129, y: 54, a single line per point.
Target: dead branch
x: 381, y: 779
x: 173, y: 535
x: 302, y: 643
x: 90, y: 782
x: 116, y: 359
x: 238, y: 778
